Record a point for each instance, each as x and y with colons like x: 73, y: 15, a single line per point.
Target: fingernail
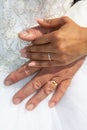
x: 23, y: 55
x: 32, y: 63
x: 52, y: 104
x: 30, y: 107
x: 16, y: 100
x: 31, y: 44
x: 24, y: 33
x: 8, y: 82
x: 39, y: 20
x: 23, y: 50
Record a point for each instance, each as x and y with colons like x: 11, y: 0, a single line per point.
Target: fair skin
x: 41, y: 82
x: 66, y: 44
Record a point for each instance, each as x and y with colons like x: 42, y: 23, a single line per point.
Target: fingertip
x: 8, y: 81
x: 39, y: 20
x: 30, y: 107
x: 51, y: 104
x: 23, y: 34
x: 16, y: 100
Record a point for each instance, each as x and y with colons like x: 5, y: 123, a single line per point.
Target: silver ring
x: 49, y: 57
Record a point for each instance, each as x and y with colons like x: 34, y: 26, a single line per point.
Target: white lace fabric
x: 16, y: 15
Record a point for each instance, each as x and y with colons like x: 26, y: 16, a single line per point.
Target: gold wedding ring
x: 54, y: 83
x: 49, y: 57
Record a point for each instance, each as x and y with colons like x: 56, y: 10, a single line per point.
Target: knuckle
x: 57, y: 35
x: 48, y: 90
x: 65, y: 18
x: 60, y: 47
x: 36, y: 83
x: 25, y: 92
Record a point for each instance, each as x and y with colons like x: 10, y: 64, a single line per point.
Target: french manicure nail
x: 8, y: 82
x: 32, y: 63
x: 30, y: 107
x: 16, y: 100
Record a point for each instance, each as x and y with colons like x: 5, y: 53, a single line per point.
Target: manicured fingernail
x: 32, y: 63
x: 52, y: 104
x: 30, y: 107
x: 8, y: 82
x: 16, y: 100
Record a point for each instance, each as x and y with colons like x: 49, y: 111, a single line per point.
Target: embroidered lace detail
x: 17, y: 15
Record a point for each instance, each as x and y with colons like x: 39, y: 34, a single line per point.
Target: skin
x: 41, y: 82
x: 65, y: 44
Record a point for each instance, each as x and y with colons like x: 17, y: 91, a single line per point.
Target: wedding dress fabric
x: 71, y: 112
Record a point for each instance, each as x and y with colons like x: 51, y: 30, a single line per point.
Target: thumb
x: 57, y: 22
x: 32, y: 33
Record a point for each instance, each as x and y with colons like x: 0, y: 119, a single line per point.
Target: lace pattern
x: 17, y: 15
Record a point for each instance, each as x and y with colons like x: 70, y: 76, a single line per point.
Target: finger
x: 40, y: 56
x: 21, y: 73
x: 57, y: 22
x: 59, y: 93
x: 49, y: 63
x: 46, y: 90
x: 41, y: 48
x: 35, y: 84
x: 33, y: 33
x: 44, y: 39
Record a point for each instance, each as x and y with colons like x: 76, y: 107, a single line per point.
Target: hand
x: 25, y: 71
x: 45, y: 82
x: 62, y: 46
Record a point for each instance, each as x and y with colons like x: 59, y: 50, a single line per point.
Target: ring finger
x: 41, y: 56
x: 47, y: 89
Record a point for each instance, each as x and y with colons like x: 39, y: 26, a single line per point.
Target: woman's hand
x: 44, y: 83
x: 66, y: 43
x: 25, y: 71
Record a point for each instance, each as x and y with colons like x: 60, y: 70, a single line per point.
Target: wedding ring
x: 49, y: 57
x: 54, y: 83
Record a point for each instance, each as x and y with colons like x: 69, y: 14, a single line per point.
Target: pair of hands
x: 41, y: 82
